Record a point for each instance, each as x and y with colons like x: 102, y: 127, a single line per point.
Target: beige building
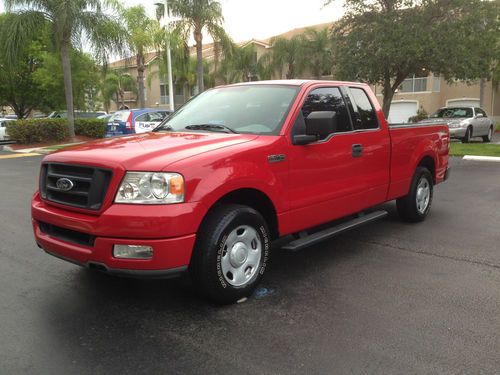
x: 433, y: 92
x: 429, y: 92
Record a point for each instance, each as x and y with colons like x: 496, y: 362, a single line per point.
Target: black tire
x: 468, y: 135
x: 206, y: 262
x: 407, y: 205
x: 487, y: 138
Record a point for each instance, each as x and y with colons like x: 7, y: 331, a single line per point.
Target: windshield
x: 453, y: 113
x: 247, y: 109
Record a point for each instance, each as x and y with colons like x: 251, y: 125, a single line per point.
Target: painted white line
x: 482, y: 158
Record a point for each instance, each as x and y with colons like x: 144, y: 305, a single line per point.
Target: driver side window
x: 328, y: 99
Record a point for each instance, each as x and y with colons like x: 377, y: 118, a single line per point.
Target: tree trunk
x: 482, y: 82
x: 198, y: 37
x: 140, y: 80
x: 68, y: 86
x: 388, y: 93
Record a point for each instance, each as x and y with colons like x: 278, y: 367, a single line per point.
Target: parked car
x: 231, y: 171
x: 465, y: 123
x: 105, y: 118
x: 78, y: 114
x: 3, y: 128
x: 135, y: 121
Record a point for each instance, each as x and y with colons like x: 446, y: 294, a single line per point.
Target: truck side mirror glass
x: 321, y: 123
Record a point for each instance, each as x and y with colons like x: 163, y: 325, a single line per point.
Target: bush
x: 53, y: 130
x: 92, y: 128
x: 421, y: 115
x: 38, y: 130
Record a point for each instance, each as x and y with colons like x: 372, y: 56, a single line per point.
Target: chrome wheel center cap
x: 238, y: 254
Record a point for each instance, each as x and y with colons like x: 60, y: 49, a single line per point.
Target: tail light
x: 128, y: 124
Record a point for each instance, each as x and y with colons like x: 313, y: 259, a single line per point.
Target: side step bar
x: 325, y: 234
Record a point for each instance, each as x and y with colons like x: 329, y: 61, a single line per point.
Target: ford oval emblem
x: 64, y: 184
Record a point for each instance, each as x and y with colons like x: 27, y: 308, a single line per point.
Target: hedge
x: 56, y: 130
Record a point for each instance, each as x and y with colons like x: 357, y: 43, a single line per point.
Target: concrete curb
x: 40, y: 150
x: 482, y: 158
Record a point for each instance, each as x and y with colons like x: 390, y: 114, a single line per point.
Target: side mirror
x: 479, y: 115
x: 318, y: 125
x: 321, y: 123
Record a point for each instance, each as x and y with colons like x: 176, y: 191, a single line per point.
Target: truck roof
x: 294, y: 82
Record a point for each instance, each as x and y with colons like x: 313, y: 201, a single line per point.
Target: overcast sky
x: 260, y: 19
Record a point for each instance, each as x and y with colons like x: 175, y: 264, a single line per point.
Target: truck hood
x: 147, y: 151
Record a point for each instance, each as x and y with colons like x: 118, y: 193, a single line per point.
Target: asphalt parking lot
x: 388, y: 298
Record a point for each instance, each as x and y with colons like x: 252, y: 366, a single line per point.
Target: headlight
x: 151, y: 188
x: 457, y: 124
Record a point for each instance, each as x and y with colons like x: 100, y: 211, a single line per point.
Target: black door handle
x: 357, y: 150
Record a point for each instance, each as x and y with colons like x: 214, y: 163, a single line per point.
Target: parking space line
x: 12, y: 156
x: 482, y: 158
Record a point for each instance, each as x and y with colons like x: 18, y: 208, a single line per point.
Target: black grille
x: 89, y: 185
x: 67, y: 234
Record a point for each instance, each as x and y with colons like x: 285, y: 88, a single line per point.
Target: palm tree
x: 289, y: 54
x: 195, y: 17
x: 141, y: 32
x: 241, y: 66
x: 114, y: 86
x: 318, y: 44
x: 71, y: 22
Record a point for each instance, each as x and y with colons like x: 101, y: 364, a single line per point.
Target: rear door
x: 373, y: 167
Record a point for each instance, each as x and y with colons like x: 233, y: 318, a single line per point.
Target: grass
x: 479, y: 149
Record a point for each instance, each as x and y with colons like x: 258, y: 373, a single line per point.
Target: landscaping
x: 53, y: 130
x: 479, y: 149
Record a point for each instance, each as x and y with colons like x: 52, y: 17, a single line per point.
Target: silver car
x: 465, y: 122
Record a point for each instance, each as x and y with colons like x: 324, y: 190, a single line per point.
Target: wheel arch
x: 428, y: 162
x: 253, y: 198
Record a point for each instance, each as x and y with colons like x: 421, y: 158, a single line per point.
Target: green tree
x: 49, y: 78
x: 384, y: 42
x: 71, y: 22
x: 17, y: 86
x: 289, y: 55
x: 113, y: 87
x: 241, y: 66
x: 141, y: 37
x: 197, y: 16
x: 318, y: 45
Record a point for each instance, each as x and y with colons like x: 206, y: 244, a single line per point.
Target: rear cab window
x: 363, y: 112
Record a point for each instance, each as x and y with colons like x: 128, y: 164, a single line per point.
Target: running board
x: 325, y: 234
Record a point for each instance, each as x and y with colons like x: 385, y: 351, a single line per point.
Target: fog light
x: 132, y: 252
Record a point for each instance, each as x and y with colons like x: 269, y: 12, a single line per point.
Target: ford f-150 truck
x: 234, y: 169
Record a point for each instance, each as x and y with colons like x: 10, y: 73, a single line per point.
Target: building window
x: 178, y: 90
x: 414, y: 84
x: 436, y: 84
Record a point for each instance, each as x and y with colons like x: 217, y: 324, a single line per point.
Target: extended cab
x: 234, y: 169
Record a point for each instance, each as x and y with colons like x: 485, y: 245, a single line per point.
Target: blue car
x: 135, y: 121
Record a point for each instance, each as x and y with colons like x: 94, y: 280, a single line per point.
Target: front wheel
x: 231, y: 253
x: 468, y: 135
x: 487, y: 138
x: 415, y: 206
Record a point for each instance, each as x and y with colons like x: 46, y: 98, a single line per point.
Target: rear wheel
x: 415, y: 206
x: 231, y: 253
x: 487, y: 138
x: 468, y: 135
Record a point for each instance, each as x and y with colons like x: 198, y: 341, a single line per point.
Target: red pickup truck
x: 233, y: 170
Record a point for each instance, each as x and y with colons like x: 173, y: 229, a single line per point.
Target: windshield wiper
x: 211, y: 127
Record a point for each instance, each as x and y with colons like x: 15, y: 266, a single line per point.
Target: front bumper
x: 171, y: 253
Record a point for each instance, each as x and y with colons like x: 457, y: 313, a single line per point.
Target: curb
x: 482, y: 158
x: 40, y: 150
